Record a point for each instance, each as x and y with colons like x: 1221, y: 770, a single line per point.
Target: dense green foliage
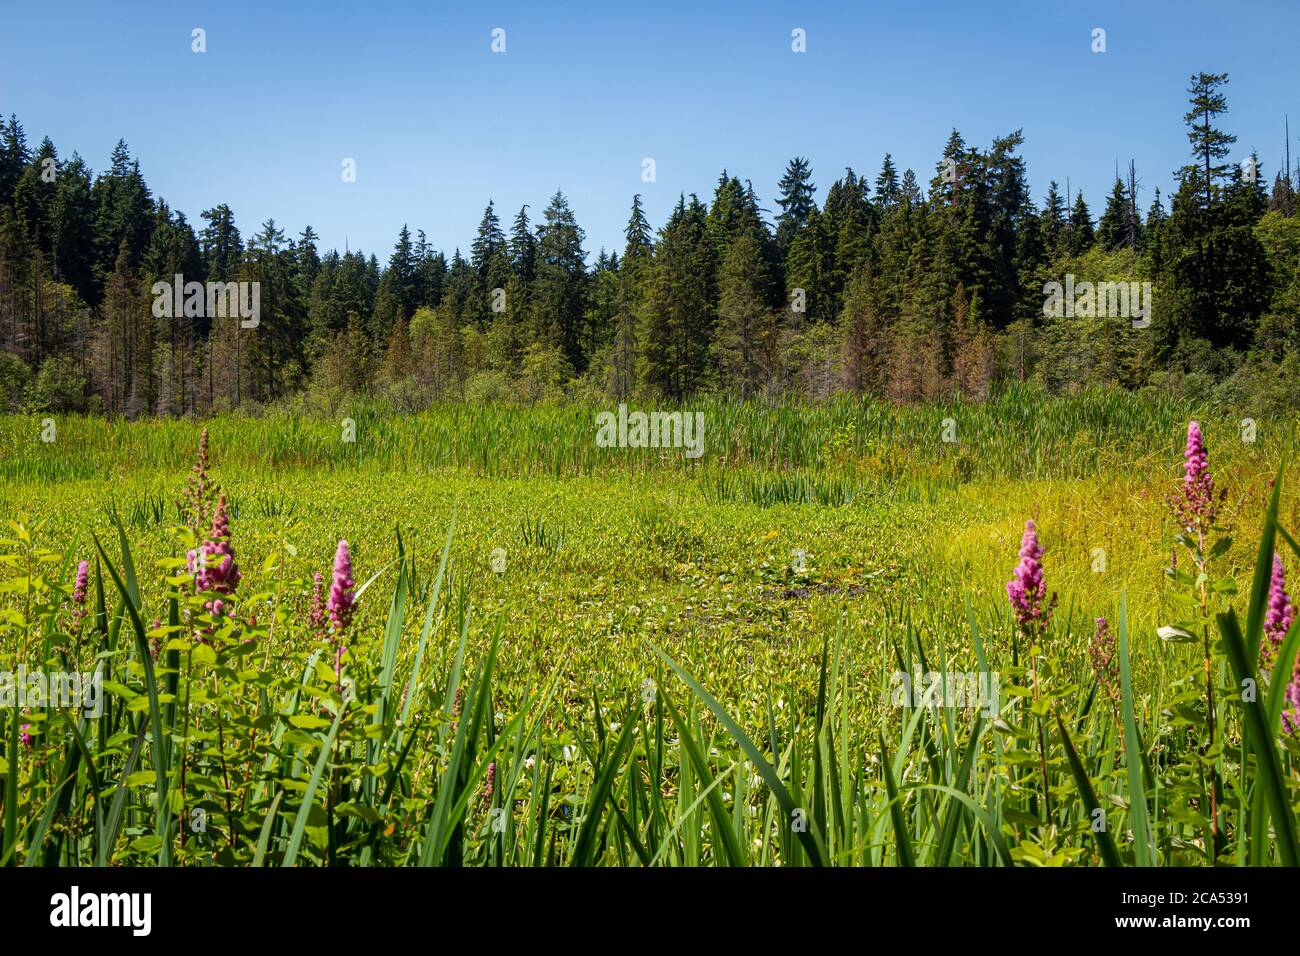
x: 672, y: 663
x: 899, y: 289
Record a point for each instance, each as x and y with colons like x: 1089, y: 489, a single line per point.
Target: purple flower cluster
x: 341, y: 597
x: 80, y: 590
x: 1197, y: 507
x: 213, y: 564
x: 1027, y: 588
x: 83, y: 579
x: 1281, y: 612
x: 340, y: 602
x: 1277, y: 621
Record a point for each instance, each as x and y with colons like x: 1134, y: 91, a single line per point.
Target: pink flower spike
x: 1027, y: 589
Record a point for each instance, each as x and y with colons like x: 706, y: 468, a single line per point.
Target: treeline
x: 890, y: 287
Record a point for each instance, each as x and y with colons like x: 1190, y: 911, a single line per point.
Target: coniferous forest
x: 904, y: 285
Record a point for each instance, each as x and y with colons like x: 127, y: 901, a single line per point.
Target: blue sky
x: 438, y: 124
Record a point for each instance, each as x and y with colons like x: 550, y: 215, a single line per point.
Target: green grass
x: 680, y: 662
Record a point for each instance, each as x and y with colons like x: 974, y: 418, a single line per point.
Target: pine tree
x: 306, y: 261
x: 808, y: 270
x: 725, y: 213
x: 1080, y: 235
x: 1113, y: 229
x: 431, y: 277
x: 558, y: 291
x: 221, y: 243
x: 72, y: 229
x: 863, y: 334
x: 489, y: 241
x: 14, y: 156
x: 123, y: 210
x: 1215, y: 277
x: 1011, y: 226
x: 402, y: 266
x: 1209, y: 144
x: 974, y: 358
x: 675, y: 336
x: 796, y: 201
x: 1283, y: 196
x: 887, y: 189
x: 746, y: 328
x: 633, y: 279
x: 523, y: 247
x: 849, y: 221
x: 173, y: 249
x: 33, y: 196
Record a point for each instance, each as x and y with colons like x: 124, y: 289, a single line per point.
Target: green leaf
x: 304, y: 809
x: 811, y: 841
x: 1261, y: 741
x: 1143, y: 847
x: 902, y: 839
x: 1105, y: 844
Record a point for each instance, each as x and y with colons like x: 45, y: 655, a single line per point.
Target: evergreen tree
x: 1052, y: 226
x: 1080, y: 234
x: 676, y: 334
x: 634, y: 274
x: 306, y: 261
x: 558, y: 291
x: 809, y: 270
x: 72, y: 229
x: 887, y: 188
x: 849, y: 221
x: 488, y: 242
x: 1210, y: 145
x: 1215, y: 274
x: 746, y: 328
x: 1114, y: 227
x: 637, y: 234
x: 14, y: 156
x: 221, y: 243
x: 796, y: 201
x: 725, y: 213
x: 863, y: 334
x: 523, y: 247
x: 123, y: 210
x: 33, y: 197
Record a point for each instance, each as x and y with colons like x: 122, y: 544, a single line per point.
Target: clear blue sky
x: 438, y: 124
